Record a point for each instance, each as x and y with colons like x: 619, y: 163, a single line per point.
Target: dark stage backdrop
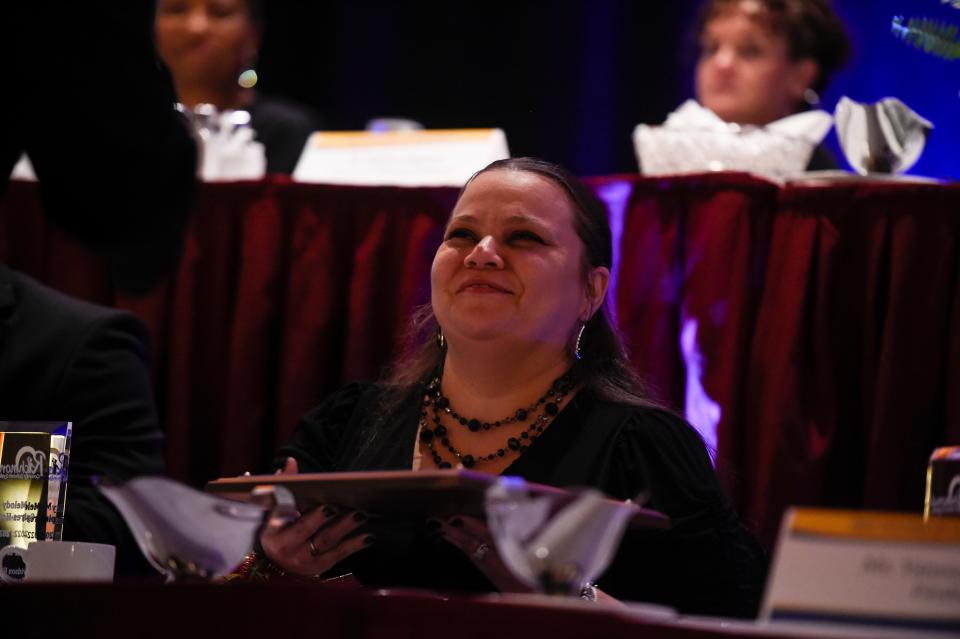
x: 567, y: 80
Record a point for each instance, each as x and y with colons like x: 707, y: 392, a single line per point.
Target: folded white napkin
x: 694, y: 139
x: 880, y: 137
x: 23, y: 170
x: 541, y: 545
x: 184, y: 532
x: 229, y: 150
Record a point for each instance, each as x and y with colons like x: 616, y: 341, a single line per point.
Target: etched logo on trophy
x: 943, y: 483
x: 28, y: 464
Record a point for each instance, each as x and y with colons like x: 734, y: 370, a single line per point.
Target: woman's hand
x: 472, y: 536
x: 315, y: 542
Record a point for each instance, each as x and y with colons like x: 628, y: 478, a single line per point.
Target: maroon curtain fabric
x: 812, y: 333
x: 284, y: 293
x: 854, y: 361
x: 693, y: 256
x: 826, y: 331
x: 29, y: 244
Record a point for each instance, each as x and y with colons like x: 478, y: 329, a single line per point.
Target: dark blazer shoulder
x: 24, y: 300
x: 43, y: 331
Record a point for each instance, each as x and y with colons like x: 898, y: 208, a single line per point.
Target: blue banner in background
x: 883, y: 65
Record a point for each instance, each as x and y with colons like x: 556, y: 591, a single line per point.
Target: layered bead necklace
x: 437, y: 437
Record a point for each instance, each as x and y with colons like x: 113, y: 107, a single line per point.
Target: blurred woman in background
x: 763, y: 60
x: 211, y: 47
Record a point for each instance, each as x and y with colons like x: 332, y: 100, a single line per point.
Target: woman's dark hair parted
x: 604, y: 367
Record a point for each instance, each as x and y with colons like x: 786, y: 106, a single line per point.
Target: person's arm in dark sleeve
x: 707, y: 562
x: 317, y: 440
x: 106, y: 390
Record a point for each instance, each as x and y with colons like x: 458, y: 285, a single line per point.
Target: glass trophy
x: 34, y: 461
x: 943, y: 483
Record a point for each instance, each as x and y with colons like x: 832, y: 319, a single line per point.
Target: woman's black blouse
x: 706, y: 563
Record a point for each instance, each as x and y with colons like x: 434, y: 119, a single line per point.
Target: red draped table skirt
x: 810, y: 332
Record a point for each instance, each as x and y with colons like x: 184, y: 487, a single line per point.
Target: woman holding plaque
x: 518, y: 370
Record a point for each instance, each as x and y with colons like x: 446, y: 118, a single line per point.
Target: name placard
x: 848, y: 567
x: 399, y: 158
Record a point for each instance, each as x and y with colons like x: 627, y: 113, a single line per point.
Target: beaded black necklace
x: 435, y: 402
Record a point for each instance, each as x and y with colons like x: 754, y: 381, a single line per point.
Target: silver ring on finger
x: 481, y: 552
x: 314, y: 551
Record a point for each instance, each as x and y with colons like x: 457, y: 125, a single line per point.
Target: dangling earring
x: 576, y: 349
x: 441, y: 342
x: 248, y: 79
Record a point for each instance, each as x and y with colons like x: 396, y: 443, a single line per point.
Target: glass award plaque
x: 34, y: 461
x: 942, y: 496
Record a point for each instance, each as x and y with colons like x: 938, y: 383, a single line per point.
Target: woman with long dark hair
x: 515, y: 368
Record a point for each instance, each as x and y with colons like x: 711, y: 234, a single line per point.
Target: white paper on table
x: 400, y: 158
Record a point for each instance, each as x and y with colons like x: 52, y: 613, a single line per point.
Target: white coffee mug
x: 57, y: 561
